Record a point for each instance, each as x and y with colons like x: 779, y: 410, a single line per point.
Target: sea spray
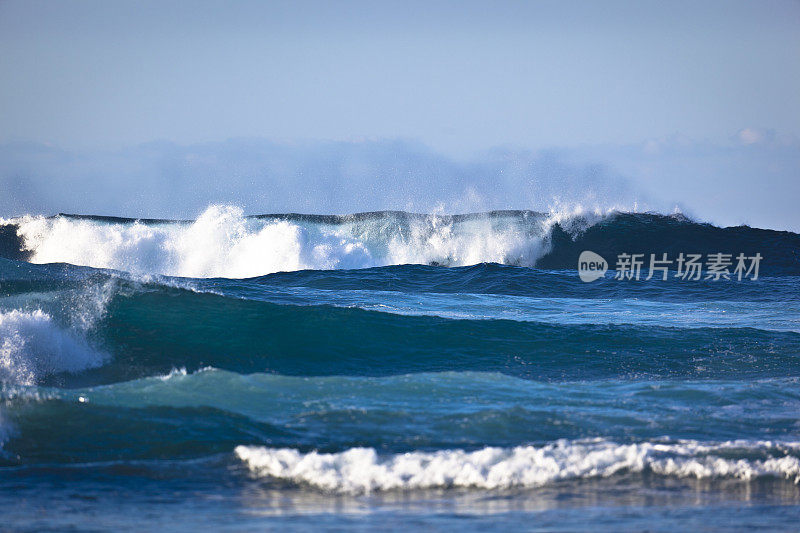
x: 33, y: 346
x: 223, y: 242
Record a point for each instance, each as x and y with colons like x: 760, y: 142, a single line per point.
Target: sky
x: 690, y: 104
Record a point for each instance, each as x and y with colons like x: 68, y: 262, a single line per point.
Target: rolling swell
x: 78, y: 326
x: 182, y: 415
x: 223, y: 242
x: 153, y: 331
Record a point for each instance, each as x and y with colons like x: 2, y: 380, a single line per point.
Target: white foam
x: 361, y: 470
x: 33, y: 346
x: 182, y: 373
x: 223, y: 242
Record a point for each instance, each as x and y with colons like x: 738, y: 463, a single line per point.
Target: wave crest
x: 222, y: 242
x: 363, y: 470
x: 33, y: 346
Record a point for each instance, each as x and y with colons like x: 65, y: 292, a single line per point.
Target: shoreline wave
x: 364, y: 470
x: 164, y: 415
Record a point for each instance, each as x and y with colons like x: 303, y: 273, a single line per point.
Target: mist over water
x: 166, y: 180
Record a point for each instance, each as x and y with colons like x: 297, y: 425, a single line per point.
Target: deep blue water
x: 486, y: 396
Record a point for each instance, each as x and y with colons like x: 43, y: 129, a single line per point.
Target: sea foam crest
x: 33, y: 346
x: 361, y: 470
x: 223, y: 242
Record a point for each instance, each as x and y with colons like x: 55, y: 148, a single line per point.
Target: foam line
x: 361, y: 470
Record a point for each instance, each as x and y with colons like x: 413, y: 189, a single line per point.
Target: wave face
x: 190, y: 415
x: 222, y: 242
x: 363, y: 361
x: 434, y: 319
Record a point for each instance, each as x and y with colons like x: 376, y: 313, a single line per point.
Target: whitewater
x: 223, y: 242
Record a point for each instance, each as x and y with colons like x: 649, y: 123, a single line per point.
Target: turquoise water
x: 484, y: 396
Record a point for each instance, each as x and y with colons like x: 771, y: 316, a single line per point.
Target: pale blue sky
x: 458, y: 77
x: 451, y: 74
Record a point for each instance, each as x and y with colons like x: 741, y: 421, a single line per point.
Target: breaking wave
x: 33, y: 346
x: 223, y: 242
x: 363, y: 470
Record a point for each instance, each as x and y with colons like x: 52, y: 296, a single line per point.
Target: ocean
x: 398, y: 371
